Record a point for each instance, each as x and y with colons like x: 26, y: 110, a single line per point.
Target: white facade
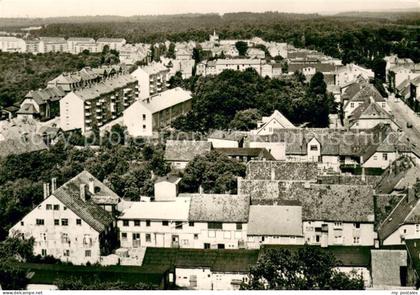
x: 152, y: 79
x: 350, y: 72
x: 76, y: 242
x: 339, y: 233
x: 276, y: 149
x: 72, y: 114
x: 12, y: 44
x: 411, y: 231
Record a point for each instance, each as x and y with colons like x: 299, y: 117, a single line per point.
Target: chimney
x: 53, y: 184
x: 46, y: 190
x: 83, y: 192
x: 91, y: 186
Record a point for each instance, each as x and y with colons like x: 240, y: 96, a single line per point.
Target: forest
x: 22, y: 72
x: 350, y: 37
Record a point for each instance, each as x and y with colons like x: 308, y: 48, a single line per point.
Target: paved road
x: 403, y: 115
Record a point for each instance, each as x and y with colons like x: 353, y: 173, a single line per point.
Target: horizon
x: 92, y: 8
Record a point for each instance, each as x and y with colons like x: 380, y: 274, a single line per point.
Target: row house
x: 152, y: 79
x: 92, y: 107
x: 68, y: 224
x: 203, y: 221
x: 350, y: 72
x: 145, y: 117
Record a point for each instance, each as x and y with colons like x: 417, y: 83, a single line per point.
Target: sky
x: 50, y: 8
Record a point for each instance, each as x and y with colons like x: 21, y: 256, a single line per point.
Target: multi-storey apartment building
x: 91, y: 107
x: 152, y: 79
x: 12, y: 44
x: 52, y: 44
x: 69, y: 224
x: 156, y: 112
x: 77, y: 45
x: 112, y: 43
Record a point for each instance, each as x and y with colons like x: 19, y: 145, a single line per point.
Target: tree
x: 95, y: 283
x: 242, y: 47
x: 171, y: 51
x: 215, y: 172
x: 308, y: 268
x: 12, y: 277
x: 245, y: 120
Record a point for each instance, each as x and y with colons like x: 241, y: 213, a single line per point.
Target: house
x: 180, y: 152
x: 152, y: 79
x: 403, y: 221
x: 183, y: 54
x: 12, y: 44
x: 350, y: 72
x: 77, y: 45
x: 91, y: 107
x: 267, y: 124
x: 52, y: 44
x: 43, y: 104
x: 246, y: 154
x: 255, y: 53
x: 166, y: 188
x: 68, y: 224
x: 144, y: 118
x: 274, y: 224
x: 415, y: 92
x: 239, y: 65
x: 112, y: 43
x: 130, y: 54
x: 369, y: 114
x: 226, y: 139
x: 309, y: 67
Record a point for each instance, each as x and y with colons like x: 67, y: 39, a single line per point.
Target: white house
x: 12, y: 44
x: 69, y: 224
x: 267, y: 125
x: 143, y: 118
x: 349, y: 73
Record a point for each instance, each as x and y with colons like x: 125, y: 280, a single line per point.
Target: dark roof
x: 369, y: 110
x: 356, y: 256
x: 260, y: 153
x: 227, y: 135
x: 279, y: 170
x: 185, y: 150
x: 217, y: 260
x: 218, y: 208
x: 89, y: 210
x: 24, y: 144
x: 362, y: 92
x: 168, y: 178
x: 319, y: 67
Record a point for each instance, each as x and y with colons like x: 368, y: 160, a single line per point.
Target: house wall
x: 314, y: 150
x: 339, y: 233
x: 370, y: 123
x: 50, y: 237
x: 276, y: 149
x: 143, y: 83
x: 179, y: 165
x: 135, y: 122
x: 72, y: 113
x: 195, y: 236
x: 397, y: 238
x: 255, y: 242
x: 166, y: 191
x: 223, y: 143
x: 206, y: 279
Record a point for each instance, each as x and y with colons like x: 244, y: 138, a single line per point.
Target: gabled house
x: 267, y: 125
x: 180, y: 152
x: 227, y: 139
x: 369, y: 114
x: 71, y: 224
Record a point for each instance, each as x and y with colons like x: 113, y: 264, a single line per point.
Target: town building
x: 112, y: 43
x: 145, y: 117
x: 77, y: 45
x: 350, y: 72
x: 91, y: 107
x: 246, y: 154
x: 68, y: 224
x: 12, y: 44
x: 152, y: 79
x: 227, y: 139
x: 180, y: 152
x: 267, y: 125
x: 52, y: 44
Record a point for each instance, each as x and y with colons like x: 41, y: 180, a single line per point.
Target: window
x: 44, y: 252
x: 144, y: 126
x: 78, y: 221
x: 56, y: 222
x: 125, y: 222
x: 178, y: 224
x: 165, y: 223
x: 356, y: 225
x: 64, y: 222
x: 356, y: 240
x: 88, y: 253
x: 56, y: 207
x: 317, y: 238
x: 238, y: 226
x: 352, y: 104
x: 214, y: 225
x: 206, y: 245
x: 66, y: 253
x: 417, y: 228
x: 40, y: 222
x: 65, y: 238
x: 64, y: 208
x: 220, y: 246
x: 22, y: 223
x: 124, y: 236
x: 49, y: 207
x: 195, y: 236
x: 385, y: 156
x: 191, y: 224
x: 136, y: 222
x: 148, y: 238
x: 375, y: 158
x: 144, y: 117
x: 147, y: 222
x: 314, y: 147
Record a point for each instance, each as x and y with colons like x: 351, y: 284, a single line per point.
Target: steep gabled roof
x: 88, y: 211
x: 218, y: 208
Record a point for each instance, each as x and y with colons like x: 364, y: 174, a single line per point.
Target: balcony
x: 98, y: 110
x: 88, y: 114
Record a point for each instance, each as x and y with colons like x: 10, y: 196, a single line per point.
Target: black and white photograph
x: 219, y: 145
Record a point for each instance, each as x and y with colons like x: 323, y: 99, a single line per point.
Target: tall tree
x: 242, y: 47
